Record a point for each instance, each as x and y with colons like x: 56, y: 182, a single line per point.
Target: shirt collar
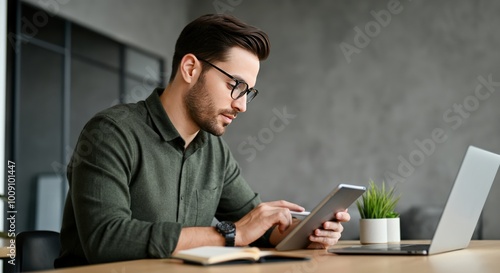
x: 163, y: 124
x: 159, y: 116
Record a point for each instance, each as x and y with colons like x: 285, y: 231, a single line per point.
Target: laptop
x: 460, y: 215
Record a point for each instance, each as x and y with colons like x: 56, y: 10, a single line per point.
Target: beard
x: 201, y: 108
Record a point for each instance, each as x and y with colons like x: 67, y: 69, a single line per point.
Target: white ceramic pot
x: 393, y: 230
x: 373, y: 231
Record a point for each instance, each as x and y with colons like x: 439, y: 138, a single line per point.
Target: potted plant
x: 379, y: 220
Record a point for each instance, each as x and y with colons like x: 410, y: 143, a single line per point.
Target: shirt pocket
x: 207, y: 201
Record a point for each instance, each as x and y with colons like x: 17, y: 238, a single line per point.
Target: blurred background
x: 386, y: 90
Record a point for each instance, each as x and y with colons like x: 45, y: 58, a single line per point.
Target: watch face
x: 226, y: 227
x: 228, y: 230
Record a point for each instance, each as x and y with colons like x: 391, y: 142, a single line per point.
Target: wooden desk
x: 480, y: 256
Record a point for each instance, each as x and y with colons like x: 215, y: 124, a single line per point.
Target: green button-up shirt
x: 133, y: 186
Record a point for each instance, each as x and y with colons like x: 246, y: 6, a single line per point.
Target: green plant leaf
x: 378, y: 202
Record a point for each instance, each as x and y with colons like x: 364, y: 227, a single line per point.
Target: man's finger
x: 285, y: 204
x: 342, y: 217
x: 285, y: 220
x: 335, y: 226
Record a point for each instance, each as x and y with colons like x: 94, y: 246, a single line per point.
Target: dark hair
x: 211, y: 36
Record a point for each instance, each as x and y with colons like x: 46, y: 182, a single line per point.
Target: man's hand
x: 320, y: 238
x: 331, y: 232
x: 263, y: 217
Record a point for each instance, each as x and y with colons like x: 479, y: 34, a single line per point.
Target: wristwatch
x: 228, y: 230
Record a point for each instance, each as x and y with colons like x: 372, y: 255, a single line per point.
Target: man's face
x: 209, y: 101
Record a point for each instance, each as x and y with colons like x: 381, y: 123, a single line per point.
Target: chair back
x: 37, y: 250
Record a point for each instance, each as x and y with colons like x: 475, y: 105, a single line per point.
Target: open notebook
x: 211, y: 255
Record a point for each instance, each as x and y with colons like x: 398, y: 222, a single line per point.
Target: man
x: 147, y: 179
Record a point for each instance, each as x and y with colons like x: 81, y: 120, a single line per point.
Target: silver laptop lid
x: 465, y: 201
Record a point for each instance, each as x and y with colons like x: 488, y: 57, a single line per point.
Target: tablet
x: 338, y: 200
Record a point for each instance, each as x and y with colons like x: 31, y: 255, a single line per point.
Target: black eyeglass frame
x: 250, y: 92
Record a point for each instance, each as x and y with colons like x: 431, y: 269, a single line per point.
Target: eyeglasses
x: 240, y: 88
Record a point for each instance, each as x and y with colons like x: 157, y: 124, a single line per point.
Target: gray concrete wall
x: 356, y: 115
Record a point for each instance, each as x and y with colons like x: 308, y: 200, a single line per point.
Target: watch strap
x: 228, y: 231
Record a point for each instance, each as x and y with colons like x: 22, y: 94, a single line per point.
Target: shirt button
x: 182, y: 198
